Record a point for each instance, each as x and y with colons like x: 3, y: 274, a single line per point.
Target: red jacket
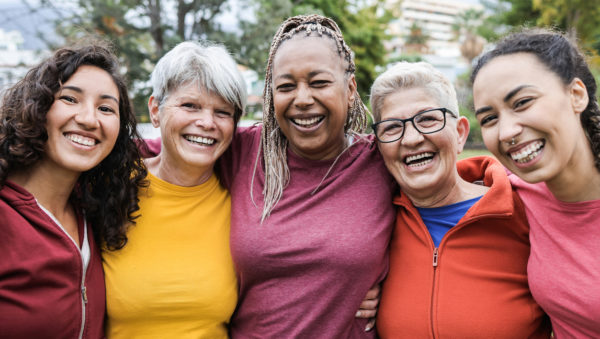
x: 41, y: 275
x: 475, y: 284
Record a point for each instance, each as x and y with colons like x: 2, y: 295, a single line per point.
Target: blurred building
x: 427, y: 28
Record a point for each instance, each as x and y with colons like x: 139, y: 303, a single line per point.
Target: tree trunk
x: 156, y: 30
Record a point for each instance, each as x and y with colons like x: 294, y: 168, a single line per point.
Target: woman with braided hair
x: 311, y: 197
x: 534, y: 97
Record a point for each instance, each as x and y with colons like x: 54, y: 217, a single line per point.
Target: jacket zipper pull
x: 84, y: 294
x: 435, y: 257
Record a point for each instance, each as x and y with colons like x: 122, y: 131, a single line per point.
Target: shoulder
x: 528, y: 191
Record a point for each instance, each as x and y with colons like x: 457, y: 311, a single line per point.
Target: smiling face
x: 532, y: 105
x: 196, y: 128
x: 311, y: 96
x: 83, y: 122
x: 422, y: 164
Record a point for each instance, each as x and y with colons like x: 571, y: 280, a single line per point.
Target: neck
x: 324, y: 154
x: 51, y: 187
x: 185, y: 176
x: 457, y: 191
x: 578, y: 184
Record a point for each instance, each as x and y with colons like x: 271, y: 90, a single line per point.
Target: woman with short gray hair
x: 175, y: 277
x: 458, y: 254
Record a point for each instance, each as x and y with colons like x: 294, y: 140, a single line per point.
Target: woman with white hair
x: 175, y: 276
x: 458, y: 255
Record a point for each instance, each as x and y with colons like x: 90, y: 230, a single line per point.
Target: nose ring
x: 512, y: 142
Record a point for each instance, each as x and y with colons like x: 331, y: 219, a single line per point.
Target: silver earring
x: 512, y: 142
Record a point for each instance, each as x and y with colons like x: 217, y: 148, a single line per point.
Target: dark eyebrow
x: 310, y: 74
x: 106, y: 96
x: 508, y: 96
x: 284, y: 76
x: 483, y: 110
x: 514, y: 91
x: 73, y: 88
x: 79, y: 90
x: 316, y: 72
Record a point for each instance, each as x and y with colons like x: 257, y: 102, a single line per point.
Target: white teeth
x: 79, y: 139
x: 308, y: 121
x: 412, y: 158
x: 200, y: 140
x: 528, y: 153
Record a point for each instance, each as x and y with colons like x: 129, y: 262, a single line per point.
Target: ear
x: 351, y: 90
x: 579, y: 95
x: 153, y: 110
x: 462, y: 129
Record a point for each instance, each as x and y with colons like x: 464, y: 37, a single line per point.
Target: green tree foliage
x: 579, y: 18
x: 257, y: 32
x: 362, y: 24
x: 141, y: 31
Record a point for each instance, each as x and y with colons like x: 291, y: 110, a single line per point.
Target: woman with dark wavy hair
x: 69, y: 175
x: 535, y: 101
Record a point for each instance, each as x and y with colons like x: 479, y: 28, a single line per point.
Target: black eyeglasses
x: 426, y: 122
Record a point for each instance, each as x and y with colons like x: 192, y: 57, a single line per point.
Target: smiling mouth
x: 308, y: 122
x: 418, y: 160
x: 80, y: 139
x: 528, y: 153
x: 200, y: 140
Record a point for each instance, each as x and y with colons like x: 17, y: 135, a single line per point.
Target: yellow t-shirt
x: 175, y: 277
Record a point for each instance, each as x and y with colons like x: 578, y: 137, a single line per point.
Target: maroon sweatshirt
x: 44, y: 290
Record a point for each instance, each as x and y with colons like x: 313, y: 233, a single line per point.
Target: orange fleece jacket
x: 476, y: 285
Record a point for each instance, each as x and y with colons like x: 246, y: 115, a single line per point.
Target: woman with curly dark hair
x: 69, y: 174
x: 535, y: 100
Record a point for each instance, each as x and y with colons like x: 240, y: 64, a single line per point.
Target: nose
x: 86, y: 117
x: 508, y: 127
x: 304, y: 96
x: 205, y: 119
x: 411, y: 136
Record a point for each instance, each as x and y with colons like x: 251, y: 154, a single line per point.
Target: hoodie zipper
x: 83, y: 289
x: 436, y: 257
x: 435, y: 263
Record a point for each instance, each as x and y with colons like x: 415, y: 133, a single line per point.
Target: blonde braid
x: 274, y: 143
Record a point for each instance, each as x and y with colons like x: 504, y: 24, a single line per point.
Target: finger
x: 369, y: 304
x: 366, y: 313
x: 374, y: 292
x: 370, y: 325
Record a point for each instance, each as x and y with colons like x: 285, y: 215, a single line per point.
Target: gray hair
x: 407, y: 75
x: 206, y: 64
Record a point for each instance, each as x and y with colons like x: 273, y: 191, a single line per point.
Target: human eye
x: 107, y: 109
x: 285, y: 87
x: 521, y: 103
x: 224, y: 113
x: 487, y: 119
x: 392, y: 127
x: 428, y: 119
x: 68, y: 98
x: 320, y: 83
x: 189, y: 105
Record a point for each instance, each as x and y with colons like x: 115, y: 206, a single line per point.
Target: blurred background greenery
x: 380, y: 32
